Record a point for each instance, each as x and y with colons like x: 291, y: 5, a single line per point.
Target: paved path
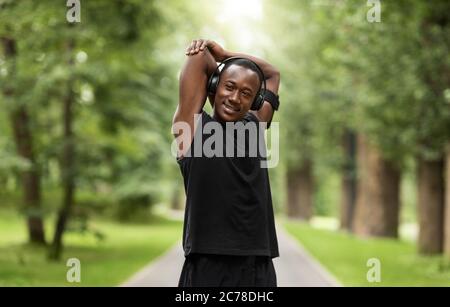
x: 295, y: 267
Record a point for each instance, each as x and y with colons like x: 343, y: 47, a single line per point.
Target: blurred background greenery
x: 86, y: 111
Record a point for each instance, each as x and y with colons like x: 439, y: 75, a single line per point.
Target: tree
x: 67, y: 163
x: 22, y: 127
x: 434, y: 123
x: 349, y: 181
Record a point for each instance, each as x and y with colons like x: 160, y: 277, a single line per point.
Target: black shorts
x: 208, y: 270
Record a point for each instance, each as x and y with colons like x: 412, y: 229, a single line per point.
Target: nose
x: 234, y: 97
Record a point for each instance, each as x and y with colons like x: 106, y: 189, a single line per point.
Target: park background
x: 85, y: 133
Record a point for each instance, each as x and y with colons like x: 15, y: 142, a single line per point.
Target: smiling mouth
x: 231, y: 108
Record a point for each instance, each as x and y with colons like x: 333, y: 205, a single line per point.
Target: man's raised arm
x: 192, y: 89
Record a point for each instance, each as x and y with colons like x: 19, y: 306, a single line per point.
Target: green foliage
x: 124, y: 94
x: 387, y: 80
x: 400, y: 108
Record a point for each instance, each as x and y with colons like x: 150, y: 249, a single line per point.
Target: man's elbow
x: 203, y: 60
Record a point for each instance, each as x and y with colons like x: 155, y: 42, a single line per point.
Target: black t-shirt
x: 228, y: 200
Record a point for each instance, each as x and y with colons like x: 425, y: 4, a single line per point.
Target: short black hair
x: 246, y: 64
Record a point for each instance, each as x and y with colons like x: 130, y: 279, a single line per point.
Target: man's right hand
x: 214, y: 48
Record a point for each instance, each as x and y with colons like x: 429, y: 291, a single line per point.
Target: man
x: 229, y: 236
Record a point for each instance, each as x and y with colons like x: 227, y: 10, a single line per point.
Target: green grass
x: 124, y: 250
x: 346, y: 256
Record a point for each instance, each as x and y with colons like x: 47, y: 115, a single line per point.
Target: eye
x: 246, y: 94
x: 229, y: 87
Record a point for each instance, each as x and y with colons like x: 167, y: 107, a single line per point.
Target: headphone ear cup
x: 212, y: 83
x: 258, y: 102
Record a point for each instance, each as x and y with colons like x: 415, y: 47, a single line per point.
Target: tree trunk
x: 447, y: 205
x: 300, y: 192
x: 378, y: 202
x: 431, y: 173
x: 67, y: 171
x: 23, y: 138
x: 430, y: 206
x: 349, y: 182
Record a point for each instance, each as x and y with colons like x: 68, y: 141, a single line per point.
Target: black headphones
x: 213, y: 82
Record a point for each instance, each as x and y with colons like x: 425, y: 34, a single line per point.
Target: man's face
x: 235, y: 93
